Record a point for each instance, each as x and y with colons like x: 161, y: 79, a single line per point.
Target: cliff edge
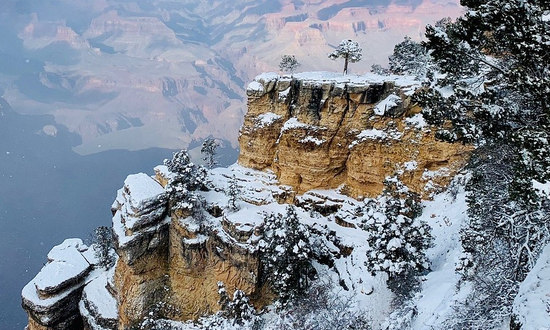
x: 318, y: 141
x: 324, y: 130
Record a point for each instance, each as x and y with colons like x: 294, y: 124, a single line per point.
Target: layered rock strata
x: 310, y: 131
x: 51, y: 298
x: 322, y: 130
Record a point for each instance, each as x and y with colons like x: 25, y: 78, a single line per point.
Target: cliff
x: 312, y: 131
x: 323, y: 130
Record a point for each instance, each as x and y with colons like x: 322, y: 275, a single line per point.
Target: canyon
x: 125, y: 75
x: 320, y: 141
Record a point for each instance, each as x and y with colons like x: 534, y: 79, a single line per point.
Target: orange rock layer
x: 320, y: 134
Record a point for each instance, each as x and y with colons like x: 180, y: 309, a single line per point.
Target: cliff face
x: 312, y: 131
x: 323, y: 130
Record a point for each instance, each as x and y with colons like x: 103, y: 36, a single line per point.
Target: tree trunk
x: 346, y: 65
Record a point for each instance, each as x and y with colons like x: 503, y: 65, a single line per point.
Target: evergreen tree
x: 286, y: 253
x: 409, y: 57
x: 380, y: 70
x: 185, y: 179
x: 349, y: 50
x: 102, y: 240
x: 208, y: 150
x: 397, y: 239
x: 496, y: 82
x: 288, y: 63
x: 233, y: 192
x: 239, y: 309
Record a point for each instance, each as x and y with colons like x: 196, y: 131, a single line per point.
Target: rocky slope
x: 315, y: 130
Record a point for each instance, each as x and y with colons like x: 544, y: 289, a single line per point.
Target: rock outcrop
x: 51, y: 297
x: 322, y: 130
x: 302, y: 133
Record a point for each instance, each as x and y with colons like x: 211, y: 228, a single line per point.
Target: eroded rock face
x: 311, y: 131
x: 321, y: 130
x: 51, y: 297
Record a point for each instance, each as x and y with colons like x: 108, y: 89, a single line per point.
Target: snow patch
x: 284, y: 94
x: 99, y: 298
x: 293, y: 123
x: 542, y: 188
x: 416, y: 121
x: 255, y: 86
x: 375, y: 134
x: 410, y: 166
x: 532, y: 302
x: 386, y: 104
x: 66, y: 264
x: 142, y: 189
x: 311, y: 139
x: 266, y: 119
x: 267, y: 76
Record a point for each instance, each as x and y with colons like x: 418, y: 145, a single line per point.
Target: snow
x: 60, y: 277
x: 163, y: 171
x: 66, y: 265
x: 311, y: 139
x: 542, y: 188
x: 99, y: 298
x: 29, y: 294
x: 389, y: 102
x: 359, y: 80
x: 532, y: 302
x: 255, y: 86
x: 284, y: 94
x: 340, y: 79
x: 200, y: 239
x: 266, y: 77
x: 445, y: 215
x: 410, y: 166
x: 266, y: 119
x: 293, y: 123
x: 416, y: 121
x: 427, y: 175
x: 394, y: 243
x: 142, y: 189
x: 372, y: 134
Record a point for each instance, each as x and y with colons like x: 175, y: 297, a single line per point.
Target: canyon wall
x: 323, y: 131
x: 302, y: 137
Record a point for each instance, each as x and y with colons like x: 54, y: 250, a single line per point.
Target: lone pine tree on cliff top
x: 349, y: 50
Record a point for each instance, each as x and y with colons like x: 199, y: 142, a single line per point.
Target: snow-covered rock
x: 52, y: 296
x: 98, y: 306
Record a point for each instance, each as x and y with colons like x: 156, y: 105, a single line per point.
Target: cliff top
x: 323, y: 77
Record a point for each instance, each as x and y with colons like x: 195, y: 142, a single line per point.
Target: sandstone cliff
x: 300, y: 134
x: 321, y: 130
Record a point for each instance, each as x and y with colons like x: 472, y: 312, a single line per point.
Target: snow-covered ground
x: 445, y: 214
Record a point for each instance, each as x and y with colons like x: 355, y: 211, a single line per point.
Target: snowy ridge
x: 338, y: 78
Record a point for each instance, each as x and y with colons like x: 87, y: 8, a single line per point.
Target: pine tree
x: 349, y: 50
x: 239, y: 309
x: 102, y: 240
x: 185, y: 179
x: 494, y: 61
x: 380, y: 70
x: 397, y: 239
x: 233, y: 192
x: 411, y: 58
x: 286, y: 253
x: 288, y: 63
x: 208, y: 150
